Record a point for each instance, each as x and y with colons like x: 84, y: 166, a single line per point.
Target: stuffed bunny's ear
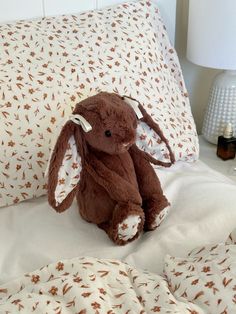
x: 150, y: 139
x: 69, y: 172
x: 65, y: 166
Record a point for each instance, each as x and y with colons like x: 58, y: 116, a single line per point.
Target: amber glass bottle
x: 226, y: 146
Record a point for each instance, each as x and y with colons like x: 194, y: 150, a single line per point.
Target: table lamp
x: 212, y: 43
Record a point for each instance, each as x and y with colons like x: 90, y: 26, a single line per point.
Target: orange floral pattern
x: 204, y: 282
x: 48, y: 65
x: 207, y: 277
x: 90, y: 286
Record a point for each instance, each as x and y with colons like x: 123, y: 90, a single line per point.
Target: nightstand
x: 209, y: 157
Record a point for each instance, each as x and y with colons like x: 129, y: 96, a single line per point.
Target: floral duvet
x: 203, y: 282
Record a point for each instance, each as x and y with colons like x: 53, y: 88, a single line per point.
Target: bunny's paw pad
x: 160, y: 217
x: 128, y: 228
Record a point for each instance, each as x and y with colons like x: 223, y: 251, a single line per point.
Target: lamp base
x: 221, y: 107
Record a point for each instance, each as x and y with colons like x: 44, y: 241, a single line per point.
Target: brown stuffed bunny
x: 96, y: 159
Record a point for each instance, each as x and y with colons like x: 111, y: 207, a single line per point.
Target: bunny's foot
x: 155, y: 212
x: 127, y: 223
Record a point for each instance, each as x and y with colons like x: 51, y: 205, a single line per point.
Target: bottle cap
x: 228, y: 131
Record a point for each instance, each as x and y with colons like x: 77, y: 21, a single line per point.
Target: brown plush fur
x: 117, y: 180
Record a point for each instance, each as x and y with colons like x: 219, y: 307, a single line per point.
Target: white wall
x: 24, y: 9
x: 11, y: 10
x: 198, y: 79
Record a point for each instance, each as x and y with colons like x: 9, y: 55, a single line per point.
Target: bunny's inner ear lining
x: 155, y: 151
x: 146, y: 118
x: 69, y: 172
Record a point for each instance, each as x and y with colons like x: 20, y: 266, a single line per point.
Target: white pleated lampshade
x: 212, y: 33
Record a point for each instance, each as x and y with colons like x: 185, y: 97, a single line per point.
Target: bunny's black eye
x: 108, y: 133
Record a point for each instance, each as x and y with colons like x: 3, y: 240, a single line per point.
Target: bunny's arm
x: 149, y: 184
x: 118, y: 188
x: 155, y: 204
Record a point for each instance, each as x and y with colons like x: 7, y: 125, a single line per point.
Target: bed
x: 48, y: 259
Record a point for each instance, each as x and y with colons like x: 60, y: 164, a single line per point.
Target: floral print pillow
x: 48, y: 65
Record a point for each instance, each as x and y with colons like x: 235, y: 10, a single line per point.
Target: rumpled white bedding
x: 91, y: 286
x: 203, y: 282
x: 203, y: 210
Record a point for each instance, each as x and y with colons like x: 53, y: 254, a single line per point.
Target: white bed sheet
x: 203, y: 211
